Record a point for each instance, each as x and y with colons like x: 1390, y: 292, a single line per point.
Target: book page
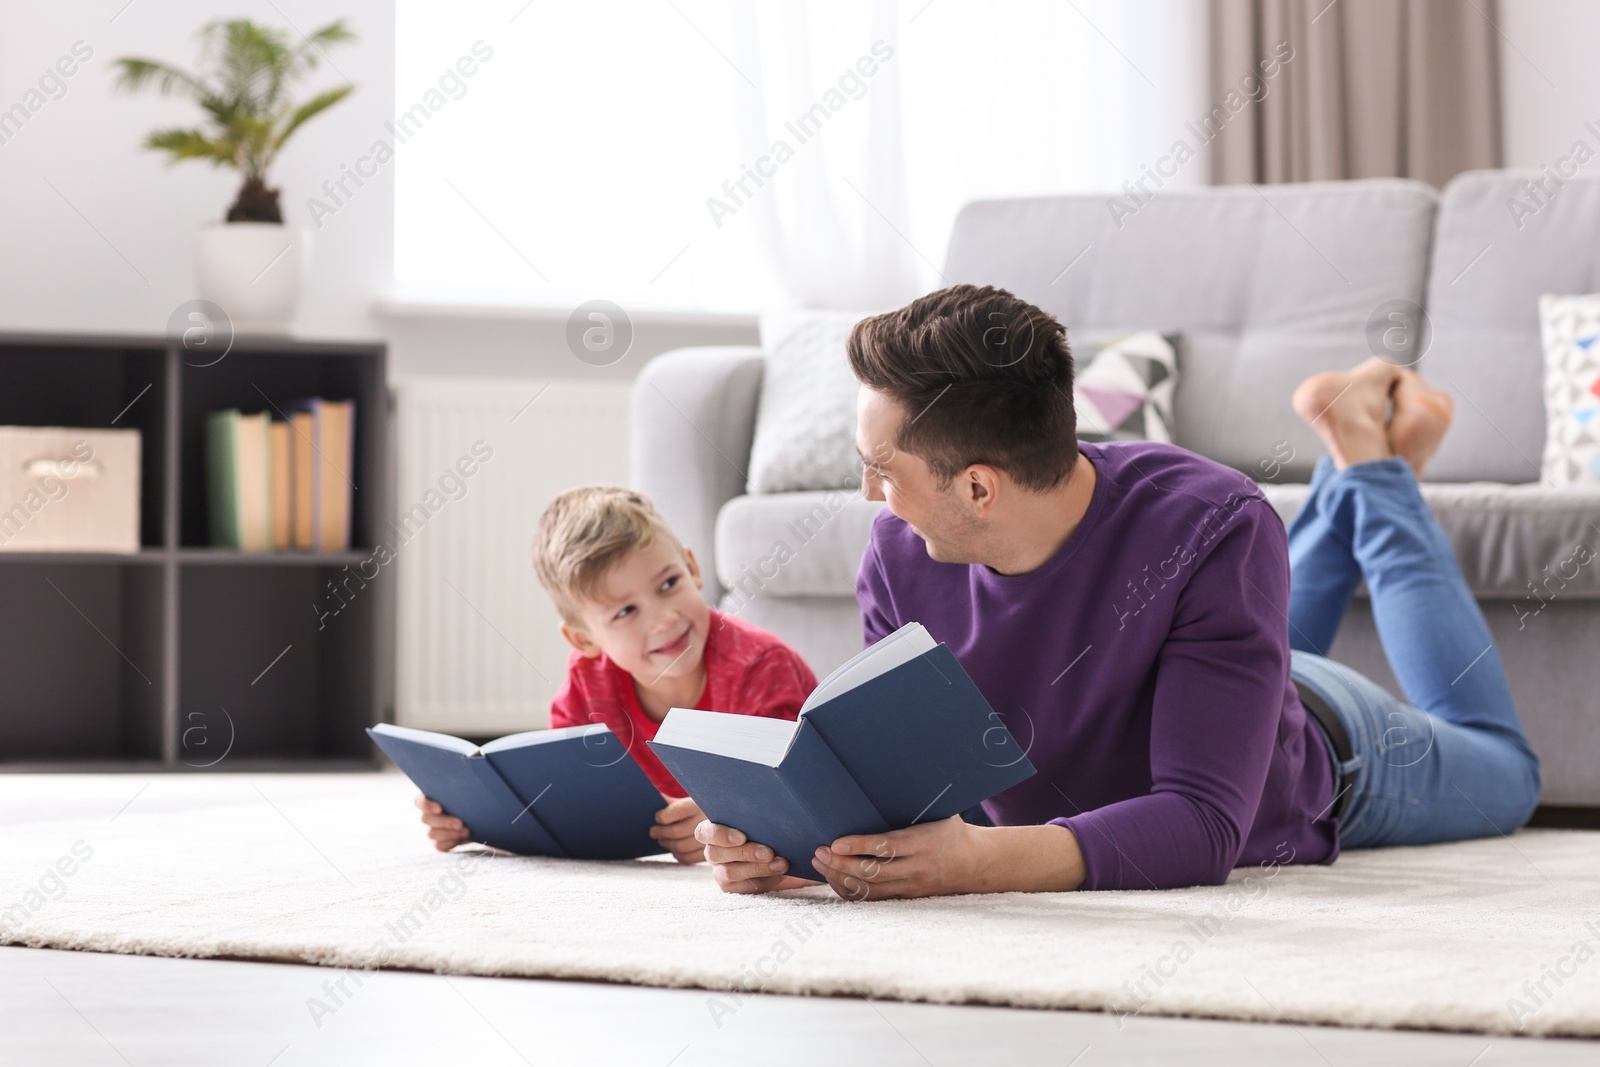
x: 544, y: 737
x: 902, y: 646
x: 427, y: 737
x: 752, y: 738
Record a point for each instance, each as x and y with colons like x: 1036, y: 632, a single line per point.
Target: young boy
x: 644, y: 641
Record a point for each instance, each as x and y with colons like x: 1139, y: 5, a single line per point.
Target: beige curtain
x: 1373, y: 88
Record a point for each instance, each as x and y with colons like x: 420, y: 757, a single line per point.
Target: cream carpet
x: 1490, y: 936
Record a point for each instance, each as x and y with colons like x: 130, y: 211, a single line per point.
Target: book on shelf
x: 300, y: 481
x: 573, y: 792
x: 325, y: 436
x: 281, y: 485
x: 898, y: 736
x: 239, y: 476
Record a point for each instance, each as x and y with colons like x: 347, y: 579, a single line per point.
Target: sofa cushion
x: 1499, y: 247
x: 792, y: 544
x: 1505, y: 537
x: 1268, y: 286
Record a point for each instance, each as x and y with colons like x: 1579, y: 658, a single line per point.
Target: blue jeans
x: 1449, y: 761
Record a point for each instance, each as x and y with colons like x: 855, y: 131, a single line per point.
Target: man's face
x: 940, y: 515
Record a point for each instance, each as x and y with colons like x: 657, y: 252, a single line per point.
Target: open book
x: 573, y: 792
x: 897, y: 736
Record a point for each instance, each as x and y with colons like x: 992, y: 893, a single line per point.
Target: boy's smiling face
x: 647, y: 615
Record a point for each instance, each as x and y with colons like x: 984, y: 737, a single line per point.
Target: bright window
x: 630, y: 149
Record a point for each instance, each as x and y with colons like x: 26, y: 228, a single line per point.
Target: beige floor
x: 68, y: 1008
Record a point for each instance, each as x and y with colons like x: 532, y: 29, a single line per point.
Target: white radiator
x: 478, y: 650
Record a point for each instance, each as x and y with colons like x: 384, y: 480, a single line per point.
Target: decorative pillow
x: 1570, y: 326
x: 806, y: 418
x: 1122, y: 388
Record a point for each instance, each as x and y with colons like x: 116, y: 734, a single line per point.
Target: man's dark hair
x: 983, y: 376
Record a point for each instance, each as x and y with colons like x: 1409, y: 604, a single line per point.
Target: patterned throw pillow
x: 1123, y: 387
x: 1570, y: 327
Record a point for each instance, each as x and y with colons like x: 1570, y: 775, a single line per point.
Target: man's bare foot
x: 1349, y: 410
x: 1421, y: 416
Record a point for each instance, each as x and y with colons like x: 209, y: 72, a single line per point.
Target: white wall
x: 1550, y: 79
x: 111, y: 250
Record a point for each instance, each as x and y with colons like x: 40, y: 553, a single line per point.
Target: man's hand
x: 446, y: 831
x: 934, y: 859
x: 742, y: 866
x: 674, y: 828
x: 952, y: 856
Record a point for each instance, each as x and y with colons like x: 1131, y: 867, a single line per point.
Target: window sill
x: 501, y: 309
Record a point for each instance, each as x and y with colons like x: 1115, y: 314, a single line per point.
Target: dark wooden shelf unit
x: 183, y: 656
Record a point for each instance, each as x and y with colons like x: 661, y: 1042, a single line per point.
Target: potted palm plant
x: 251, y: 264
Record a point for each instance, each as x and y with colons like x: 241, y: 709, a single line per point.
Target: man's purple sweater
x: 1144, y: 668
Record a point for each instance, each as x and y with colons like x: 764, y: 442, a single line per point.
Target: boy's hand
x: 740, y: 865
x: 446, y: 831
x: 674, y: 828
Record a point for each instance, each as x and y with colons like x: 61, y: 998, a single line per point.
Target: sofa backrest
x: 1268, y: 285
x: 1504, y: 238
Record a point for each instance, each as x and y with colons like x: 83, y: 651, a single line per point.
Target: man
x: 1128, y: 609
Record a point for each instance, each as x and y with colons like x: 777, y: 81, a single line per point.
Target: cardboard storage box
x: 68, y: 490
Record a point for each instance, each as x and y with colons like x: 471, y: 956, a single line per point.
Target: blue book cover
x: 898, y: 736
x: 574, y: 792
x: 806, y: 800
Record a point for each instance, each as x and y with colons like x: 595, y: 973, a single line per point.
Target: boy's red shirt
x: 748, y: 671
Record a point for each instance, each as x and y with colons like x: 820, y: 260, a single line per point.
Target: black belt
x: 1344, y: 752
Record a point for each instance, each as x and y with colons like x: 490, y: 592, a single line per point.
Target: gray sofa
x: 1267, y: 285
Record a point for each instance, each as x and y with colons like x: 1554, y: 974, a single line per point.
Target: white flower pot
x: 253, y: 271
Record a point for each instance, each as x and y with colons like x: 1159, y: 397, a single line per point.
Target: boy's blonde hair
x: 587, y: 531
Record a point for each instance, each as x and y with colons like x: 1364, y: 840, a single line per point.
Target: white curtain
x: 723, y: 155
x: 828, y: 90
